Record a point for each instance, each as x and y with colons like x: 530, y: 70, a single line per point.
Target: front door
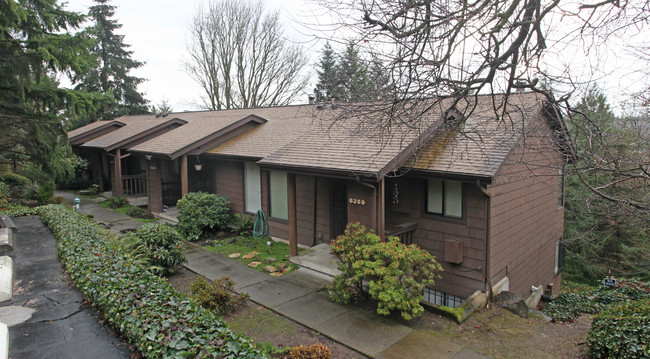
x: 339, y: 215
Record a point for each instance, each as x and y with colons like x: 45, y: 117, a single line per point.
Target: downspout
x: 315, y: 220
x: 486, y: 271
x: 374, y: 199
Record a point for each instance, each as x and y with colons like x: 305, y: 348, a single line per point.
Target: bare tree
x: 240, y: 59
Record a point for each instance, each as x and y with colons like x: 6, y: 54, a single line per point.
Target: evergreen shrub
x: 200, y: 213
x: 391, y: 273
x: 163, y: 244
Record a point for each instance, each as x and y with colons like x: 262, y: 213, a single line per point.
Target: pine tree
x: 329, y: 84
x: 35, y: 48
x: 114, y: 64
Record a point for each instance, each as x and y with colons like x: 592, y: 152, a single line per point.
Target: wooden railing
x: 134, y: 185
x: 404, y: 231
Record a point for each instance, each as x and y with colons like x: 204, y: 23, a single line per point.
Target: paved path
x: 301, y: 296
x: 47, y: 317
x: 105, y: 216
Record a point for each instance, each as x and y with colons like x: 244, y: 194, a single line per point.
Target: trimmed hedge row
x: 144, y: 308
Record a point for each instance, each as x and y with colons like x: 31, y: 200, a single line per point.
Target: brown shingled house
x: 481, y: 192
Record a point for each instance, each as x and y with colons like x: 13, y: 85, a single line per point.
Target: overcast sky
x: 158, y: 30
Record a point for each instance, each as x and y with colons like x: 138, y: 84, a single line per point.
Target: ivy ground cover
x: 141, y: 306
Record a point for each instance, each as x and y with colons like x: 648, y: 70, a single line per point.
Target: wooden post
x: 117, y: 162
x: 382, y: 209
x: 185, y: 186
x: 293, y: 225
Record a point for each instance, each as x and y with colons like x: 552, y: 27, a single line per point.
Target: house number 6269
x: 358, y: 201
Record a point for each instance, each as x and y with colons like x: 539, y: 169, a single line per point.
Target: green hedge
x: 144, y: 308
x: 621, y: 331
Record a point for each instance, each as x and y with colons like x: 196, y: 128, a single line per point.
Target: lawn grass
x: 123, y: 210
x: 276, y: 255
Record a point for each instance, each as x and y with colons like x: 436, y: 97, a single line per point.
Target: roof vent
x: 453, y: 116
x: 320, y: 106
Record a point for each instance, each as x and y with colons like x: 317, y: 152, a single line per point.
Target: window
x: 441, y: 298
x: 278, y: 195
x: 253, y: 187
x: 559, y: 256
x: 445, y: 197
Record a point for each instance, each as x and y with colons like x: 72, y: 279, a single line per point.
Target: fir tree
x: 354, y: 75
x: 35, y: 48
x: 329, y: 84
x: 115, y: 62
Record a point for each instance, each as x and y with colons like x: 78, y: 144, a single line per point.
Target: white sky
x: 158, y: 32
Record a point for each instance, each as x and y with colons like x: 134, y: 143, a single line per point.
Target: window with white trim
x: 253, y: 187
x: 445, y: 197
x: 278, y: 195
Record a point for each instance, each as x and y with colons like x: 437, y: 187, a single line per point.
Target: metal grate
x: 441, y: 298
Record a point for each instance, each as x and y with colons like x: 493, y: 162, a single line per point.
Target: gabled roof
x: 93, y: 130
x: 352, y: 139
x: 200, y: 131
x: 479, y: 145
x: 135, y: 128
x: 284, y: 125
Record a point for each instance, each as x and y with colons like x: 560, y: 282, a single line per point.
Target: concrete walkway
x: 301, y: 296
x: 105, y: 216
x: 47, y: 317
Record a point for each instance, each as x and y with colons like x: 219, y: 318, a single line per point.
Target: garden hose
x: 261, y: 226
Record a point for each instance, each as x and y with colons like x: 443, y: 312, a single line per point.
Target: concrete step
x: 319, y: 259
x: 6, y: 278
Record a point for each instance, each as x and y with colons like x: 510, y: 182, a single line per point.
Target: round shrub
x: 218, y: 295
x: 621, y: 331
x: 392, y: 273
x: 164, y: 245
x: 200, y: 212
x: 14, y: 179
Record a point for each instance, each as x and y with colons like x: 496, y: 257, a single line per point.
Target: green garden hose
x: 261, y: 226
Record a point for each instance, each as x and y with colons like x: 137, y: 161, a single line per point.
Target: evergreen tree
x: 329, y: 81
x: 115, y: 62
x: 346, y: 77
x: 603, y: 235
x: 354, y: 75
x: 35, y: 47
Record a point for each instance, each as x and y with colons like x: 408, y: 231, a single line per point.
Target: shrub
x: 241, y: 223
x: 200, y: 212
x: 567, y: 306
x: 314, y: 351
x: 165, y: 247
x: 218, y: 295
x: 14, y: 179
x: 395, y: 274
x: 5, y: 195
x: 152, y: 316
x: 93, y: 189
x: 137, y: 212
x: 117, y: 202
x: 622, y: 331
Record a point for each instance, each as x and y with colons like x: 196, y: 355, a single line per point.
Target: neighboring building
x: 483, y: 193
